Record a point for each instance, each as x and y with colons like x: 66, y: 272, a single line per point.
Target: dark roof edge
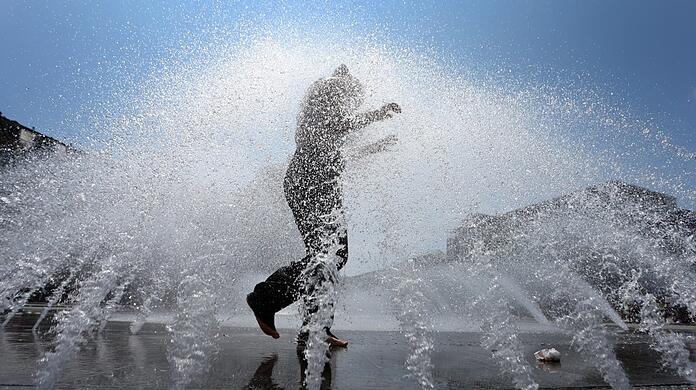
x: 6, y: 122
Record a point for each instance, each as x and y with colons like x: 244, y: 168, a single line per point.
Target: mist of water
x: 185, y: 201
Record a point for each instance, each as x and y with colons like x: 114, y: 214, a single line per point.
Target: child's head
x: 351, y: 93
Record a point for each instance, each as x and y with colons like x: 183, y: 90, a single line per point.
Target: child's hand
x: 394, y: 107
x: 390, y: 108
x: 383, y: 144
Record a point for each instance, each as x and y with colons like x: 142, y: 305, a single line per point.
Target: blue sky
x: 61, y: 59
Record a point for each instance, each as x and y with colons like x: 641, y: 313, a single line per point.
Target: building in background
x: 606, y: 234
x: 18, y: 141
x: 648, y: 213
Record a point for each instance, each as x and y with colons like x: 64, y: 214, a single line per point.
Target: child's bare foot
x: 265, y: 320
x: 336, y: 342
x: 331, y: 339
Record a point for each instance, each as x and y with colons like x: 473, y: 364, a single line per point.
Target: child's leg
x: 322, y: 277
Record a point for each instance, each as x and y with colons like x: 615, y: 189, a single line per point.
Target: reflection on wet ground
x: 249, y: 360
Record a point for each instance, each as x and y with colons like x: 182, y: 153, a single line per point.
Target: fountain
x: 183, y: 208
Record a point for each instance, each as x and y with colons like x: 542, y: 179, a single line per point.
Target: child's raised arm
x: 363, y: 119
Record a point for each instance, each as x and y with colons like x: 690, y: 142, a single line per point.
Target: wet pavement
x: 374, y: 360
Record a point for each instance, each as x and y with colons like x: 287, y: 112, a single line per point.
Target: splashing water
x: 500, y: 337
x: 591, y: 339
x: 320, y: 279
x: 186, y: 196
x: 500, y: 331
x: 194, y: 332
x: 412, y: 312
x: 671, y: 345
